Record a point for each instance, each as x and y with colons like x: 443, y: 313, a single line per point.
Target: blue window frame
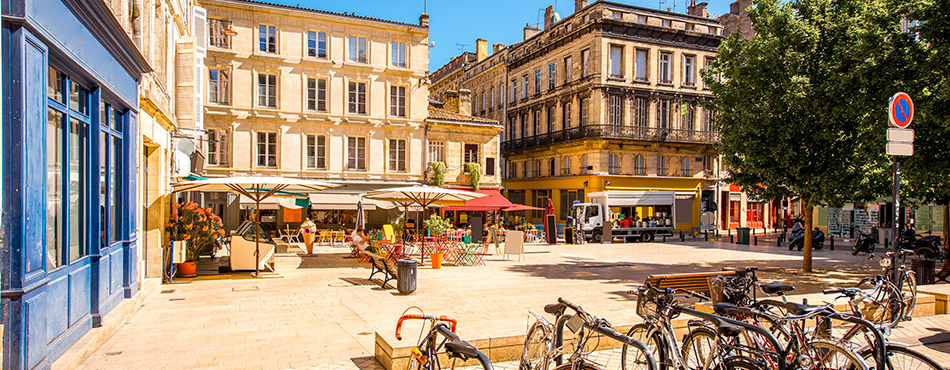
x: 110, y: 170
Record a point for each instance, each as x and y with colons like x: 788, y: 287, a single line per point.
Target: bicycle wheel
x: 826, y: 354
x: 909, y: 291
x: 886, y: 306
x: 698, y: 348
x: 925, y: 253
x: 653, y: 339
x: 414, y: 364
x: 743, y: 363
x: 902, y: 358
x: 536, y: 345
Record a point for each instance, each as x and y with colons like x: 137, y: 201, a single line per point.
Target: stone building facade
x: 609, y: 98
x: 456, y: 138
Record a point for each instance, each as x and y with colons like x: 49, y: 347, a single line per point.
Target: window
x: 639, y: 166
x: 712, y: 30
x: 641, y: 19
x: 492, y: 99
x: 397, y: 155
x: 689, y: 119
x: 665, y: 75
x: 397, y: 101
x: 585, y: 60
x: 399, y: 54
x: 615, y: 112
x: 568, y: 64
x: 660, y: 165
x: 566, y: 115
x: 267, y: 38
x: 690, y: 27
x: 707, y: 163
x: 585, y: 107
x: 541, y: 201
x: 484, y: 101
x: 217, y: 147
x: 537, y: 122
x: 583, y: 164
x: 710, y: 62
x: 267, y: 90
x: 524, y: 87
x: 663, y: 114
x: 470, y: 154
x: 490, y: 166
x: 218, y: 86
x: 552, y: 168
x: 689, y: 70
x: 709, y: 120
x: 317, y: 44
x: 356, y: 153
x: 642, y: 110
x: 356, y: 98
x: 317, y: 94
x: 357, y: 49
x: 613, y: 164
x: 568, y: 197
x: 524, y: 125
x: 110, y: 162
x: 436, y: 151
x: 524, y: 169
x: 537, y: 81
x: 684, y: 167
x: 642, y: 57
x: 667, y: 23
x: 316, y: 152
x: 514, y: 91
x: 566, y: 166
x: 55, y: 218
x: 616, y: 61
x: 536, y: 171
x: 550, y: 119
x: 267, y: 149
x: 218, y: 33
x: 617, y: 15
x: 552, y: 71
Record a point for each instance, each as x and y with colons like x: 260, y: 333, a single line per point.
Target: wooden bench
x: 696, y: 281
x: 380, y: 264
x: 944, y: 272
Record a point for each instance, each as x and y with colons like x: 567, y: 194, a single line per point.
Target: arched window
x: 537, y: 168
x: 566, y: 165
x: 684, y: 167
x: 661, y: 165
x: 613, y: 164
x: 524, y: 169
x: 552, y: 168
x: 639, y: 166
x: 583, y: 164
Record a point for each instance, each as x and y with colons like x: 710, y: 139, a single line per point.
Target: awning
x: 493, y: 202
x: 634, y: 198
x: 326, y: 202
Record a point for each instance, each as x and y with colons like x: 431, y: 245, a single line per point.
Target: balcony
x: 611, y: 132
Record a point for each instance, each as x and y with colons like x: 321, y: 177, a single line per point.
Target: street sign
x: 901, y: 110
x: 900, y: 134
x: 899, y: 148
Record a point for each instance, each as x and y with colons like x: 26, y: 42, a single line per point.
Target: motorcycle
x: 925, y: 247
x: 865, y: 242
x: 797, y: 239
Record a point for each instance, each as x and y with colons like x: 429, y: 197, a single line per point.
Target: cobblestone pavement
x: 320, y: 311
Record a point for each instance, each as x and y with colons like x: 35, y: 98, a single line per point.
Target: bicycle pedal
x: 907, y: 318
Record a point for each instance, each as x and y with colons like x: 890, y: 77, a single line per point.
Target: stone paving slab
x: 321, y: 310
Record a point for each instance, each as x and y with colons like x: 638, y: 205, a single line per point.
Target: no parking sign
x: 901, y: 110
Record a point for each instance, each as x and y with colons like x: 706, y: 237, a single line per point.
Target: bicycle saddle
x: 775, y: 287
x: 729, y: 309
x: 792, y: 307
x: 461, y: 349
x: 552, y: 308
x: 727, y: 329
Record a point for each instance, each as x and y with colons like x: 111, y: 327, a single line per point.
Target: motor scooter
x: 865, y: 242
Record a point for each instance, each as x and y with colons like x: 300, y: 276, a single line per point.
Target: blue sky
x: 454, y: 22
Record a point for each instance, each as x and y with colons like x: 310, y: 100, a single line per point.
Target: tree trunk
x: 946, y: 222
x: 809, y: 225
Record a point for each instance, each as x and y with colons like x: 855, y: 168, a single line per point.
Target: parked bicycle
x: 441, y: 335
x: 894, y: 300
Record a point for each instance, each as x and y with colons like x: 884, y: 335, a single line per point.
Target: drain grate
x: 113, y: 353
x: 168, y: 291
x: 176, y: 299
x: 248, y: 289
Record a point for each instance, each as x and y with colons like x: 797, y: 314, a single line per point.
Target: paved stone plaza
x: 322, y: 312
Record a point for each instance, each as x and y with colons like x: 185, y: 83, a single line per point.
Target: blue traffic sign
x: 901, y: 110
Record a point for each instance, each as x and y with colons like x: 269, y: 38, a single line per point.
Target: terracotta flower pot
x: 436, y: 260
x: 186, y: 269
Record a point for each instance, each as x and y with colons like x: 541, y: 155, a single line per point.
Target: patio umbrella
x: 257, y: 188
x: 423, y: 196
x: 360, y: 221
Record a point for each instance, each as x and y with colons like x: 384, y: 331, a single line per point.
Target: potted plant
x: 436, y: 225
x: 198, y: 229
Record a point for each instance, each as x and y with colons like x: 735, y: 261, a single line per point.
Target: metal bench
x: 696, y: 281
x: 380, y: 264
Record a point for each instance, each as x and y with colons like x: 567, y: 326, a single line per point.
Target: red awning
x: 522, y: 207
x: 493, y: 202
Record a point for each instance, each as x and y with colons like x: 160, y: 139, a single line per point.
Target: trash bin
x: 925, y: 270
x: 406, y: 276
x: 569, y: 235
x: 742, y: 235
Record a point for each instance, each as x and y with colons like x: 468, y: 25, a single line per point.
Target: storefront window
x: 77, y: 189
x: 54, y: 189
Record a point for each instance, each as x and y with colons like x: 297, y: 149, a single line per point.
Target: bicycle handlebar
x: 432, y: 319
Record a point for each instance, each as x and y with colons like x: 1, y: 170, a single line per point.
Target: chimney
x: 424, y: 20
x: 579, y: 5
x: 698, y: 10
x: 481, y: 49
x: 529, y: 31
x: 451, y: 102
x: 465, y: 102
x: 497, y: 47
x: 548, y: 17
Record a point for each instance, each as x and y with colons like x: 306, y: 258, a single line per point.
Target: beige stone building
x: 456, y: 138
x: 608, y: 98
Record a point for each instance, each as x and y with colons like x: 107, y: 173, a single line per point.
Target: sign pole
x: 898, y: 220
x: 900, y: 143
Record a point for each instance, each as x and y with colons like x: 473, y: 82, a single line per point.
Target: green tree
x: 801, y: 107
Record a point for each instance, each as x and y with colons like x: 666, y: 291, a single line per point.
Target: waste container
x: 406, y: 276
x: 742, y: 235
x: 925, y: 270
x: 569, y: 235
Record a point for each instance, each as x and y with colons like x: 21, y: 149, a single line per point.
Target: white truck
x: 589, y: 218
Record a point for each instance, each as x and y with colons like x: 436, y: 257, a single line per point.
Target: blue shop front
x: 69, y: 256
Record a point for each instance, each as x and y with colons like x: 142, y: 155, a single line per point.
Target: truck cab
x: 589, y: 218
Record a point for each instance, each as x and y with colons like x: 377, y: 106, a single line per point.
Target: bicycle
x: 891, y: 304
x: 545, y: 345
x: 425, y: 353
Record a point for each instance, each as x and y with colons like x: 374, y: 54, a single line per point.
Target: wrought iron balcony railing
x: 632, y: 133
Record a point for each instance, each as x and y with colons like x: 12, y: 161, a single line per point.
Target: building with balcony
x: 608, y: 98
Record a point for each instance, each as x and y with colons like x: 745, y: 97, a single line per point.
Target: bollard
x: 755, y: 240
x: 778, y: 241
x: 731, y: 239
x: 682, y: 237
x: 664, y: 238
x: 886, y: 242
x: 705, y: 235
x: 832, y: 241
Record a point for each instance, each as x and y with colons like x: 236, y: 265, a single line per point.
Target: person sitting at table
x: 359, y: 239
